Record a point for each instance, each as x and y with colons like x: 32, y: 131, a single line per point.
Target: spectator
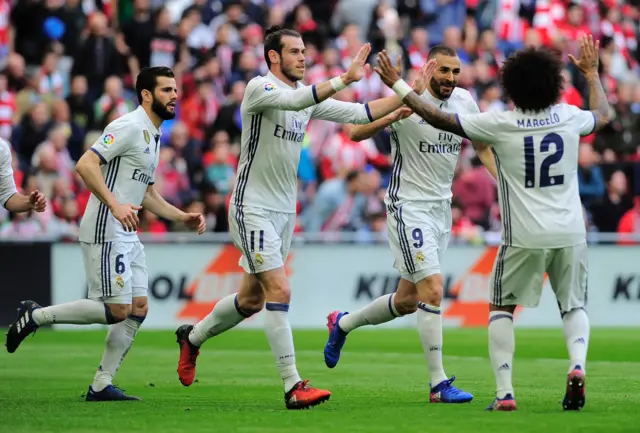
x: 590, y: 181
x: 630, y: 223
x: 607, y: 212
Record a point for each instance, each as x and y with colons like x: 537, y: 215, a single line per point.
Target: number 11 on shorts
x: 260, y: 240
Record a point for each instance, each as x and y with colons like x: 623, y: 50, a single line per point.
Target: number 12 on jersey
x: 553, y: 158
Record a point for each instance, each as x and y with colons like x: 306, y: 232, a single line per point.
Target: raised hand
x: 589, y: 55
x: 424, y: 77
x: 388, y: 73
x: 359, y: 67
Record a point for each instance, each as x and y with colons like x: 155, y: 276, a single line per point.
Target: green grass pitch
x: 380, y: 385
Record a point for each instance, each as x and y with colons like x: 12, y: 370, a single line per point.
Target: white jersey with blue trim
x: 7, y: 182
x: 424, y: 157
x: 537, y: 160
x: 128, y: 149
x: 274, y: 123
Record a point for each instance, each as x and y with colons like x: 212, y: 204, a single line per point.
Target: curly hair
x: 532, y: 78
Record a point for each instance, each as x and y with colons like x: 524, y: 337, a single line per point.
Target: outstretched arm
x: 588, y: 65
x: 364, y: 132
x: 262, y: 95
x: 434, y: 116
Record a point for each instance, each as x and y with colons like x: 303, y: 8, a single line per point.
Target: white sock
x: 82, y: 312
x: 379, y: 311
x: 119, y: 341
x: 276, y: 324
x: 502, y: 344
x: 576, y: 334
x: 225, y: 315
x: 430, y: 331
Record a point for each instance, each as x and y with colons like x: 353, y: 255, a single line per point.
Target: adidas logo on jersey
x: 422, y: 122
x: 147, y: 150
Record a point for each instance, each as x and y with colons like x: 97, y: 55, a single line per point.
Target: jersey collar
x: 435, y: 101
x: 270, y: 76
x: 147, y: 121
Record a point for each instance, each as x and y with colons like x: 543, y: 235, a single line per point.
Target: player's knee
x: 119, y: 312
x: 405, y: 304
x: 431, y: 289
x: 139, y: 308
x: 250, y: 303
x: 276, y: 285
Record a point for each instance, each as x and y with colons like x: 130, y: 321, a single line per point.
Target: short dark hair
x: 148, y: 79
x: 532, y: 78
x: 273, y: 40
x: 445, y: 50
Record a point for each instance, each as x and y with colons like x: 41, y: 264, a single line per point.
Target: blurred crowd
x: 68, y: 68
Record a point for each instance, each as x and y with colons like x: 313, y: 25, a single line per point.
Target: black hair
x: 148, y: 79
x: 532, y: 78
x: 273, y: 40
x: 445, y: 50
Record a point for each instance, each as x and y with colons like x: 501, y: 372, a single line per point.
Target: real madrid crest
x: 147, y: 136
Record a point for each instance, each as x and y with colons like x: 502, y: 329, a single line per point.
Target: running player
x: 275, y: 112
x: 10, y: 198
x: 536, y: 152
x: 419, y: 221
x: 119, y: 170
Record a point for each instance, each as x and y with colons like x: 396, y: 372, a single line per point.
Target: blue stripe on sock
x: 277, y: 306
x: 138, y: 319
x: 393, y: 313
x: 500, y: 316
x: 426, y: 309
x: 240, y: 310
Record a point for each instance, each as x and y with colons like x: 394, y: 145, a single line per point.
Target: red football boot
x: 303, y: 396
x: 188, y: 355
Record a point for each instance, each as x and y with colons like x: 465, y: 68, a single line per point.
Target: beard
x: 161, y: 110
x: 437, y: 88
x: 291, y: 76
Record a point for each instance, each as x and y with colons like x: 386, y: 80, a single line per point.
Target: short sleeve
x: 113, y: 142
x: 583, y: 122
x: 7, y: 183
x: 478, y: 126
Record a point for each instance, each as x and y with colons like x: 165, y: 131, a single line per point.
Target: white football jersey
x: 424, y: 158
x: 7, y: 183
x: 128, y: 149
x: 537, y: 159
x: 272, y: 139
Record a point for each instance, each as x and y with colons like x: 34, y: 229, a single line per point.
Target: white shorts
x: 263, y: 236
x: 518, y: 276
x: 116, y: 271
x: 419, y: 235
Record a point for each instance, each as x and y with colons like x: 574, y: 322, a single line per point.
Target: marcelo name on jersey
x: 447, y: 143
x: 296, y: 135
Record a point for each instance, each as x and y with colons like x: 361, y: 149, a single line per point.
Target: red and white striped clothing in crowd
x: 5, y: 22
x: 319, y: 73
x: 417, y: 57
x: 7, y: 111
x: 508, y: 25
x: 549, y: 13
x: 342, y: 154
x: 51, y: 84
